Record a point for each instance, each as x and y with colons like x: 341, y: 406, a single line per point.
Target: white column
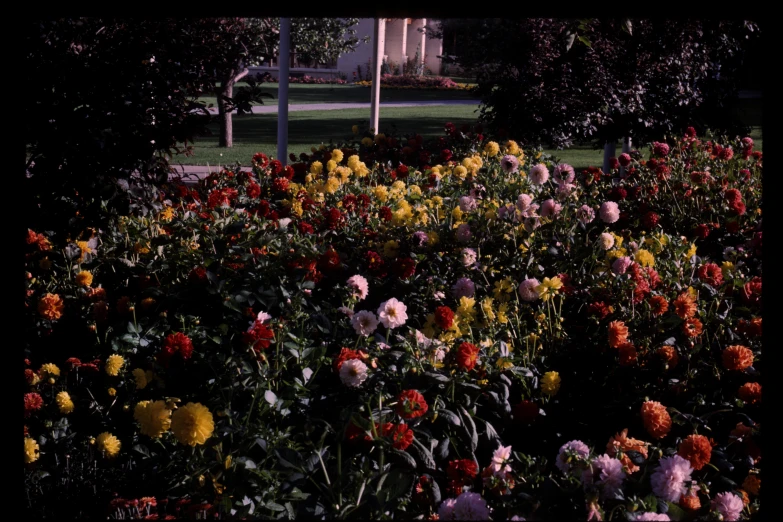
x: 377, y: 58
x: 282, y: 92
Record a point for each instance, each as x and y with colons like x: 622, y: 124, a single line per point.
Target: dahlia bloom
x: 576, y: 448
x: 527, y: 289
x: 463, y: 233
x: 192, y: 424
x: 446, y: 509
x: 420, y: 239
x: 610, y: 475
x: 359, y: 286
x: 524, y: 201
x: 364, y: 322
x: 697, y: 450
x: 550, y: 208
x: 539, y: 174
x: 509, y: 164
x: 464, y: 287
x: 563, y: 174
x: 669, y: 479
x: 728, y: 505
x: 621, y: 264
x: 737, y: 358
x: 353, y: 373
x: 609, y: 212
x: 649, y: 517
x: 656, y: 419
x: 585, y: 215
x: 468, y: 257
x: 606, y: 240
x: 392, y: 313
x: 108, y: 444
x: 471, y: 506
x: 622, y: 442
x: 467, y: 204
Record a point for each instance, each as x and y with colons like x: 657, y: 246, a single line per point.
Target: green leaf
x: 585, y: 41
x: 450, y: 416
x: 675, y: 512
x: 398, y: 483
x: 424, y: 455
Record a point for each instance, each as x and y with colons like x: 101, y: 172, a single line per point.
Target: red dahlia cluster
x: 176, y: 343
x: 444, y: 317
x: 258, y: 336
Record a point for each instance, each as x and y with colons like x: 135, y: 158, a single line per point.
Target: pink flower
x: 606, y: 240
x: 585, y: 214
x: 653, y: 517
x: 439, y: 296
x: 539, y: 174
x: 621, y: 264
x: 446, y: 510
x: 728, y: 504
x: 609, y: 212
x: 470, y: 506
x: 469, y: 257
x: 359, y: 285
x: 509, y: 164
x: 500, y: 456
x: 364, y: 322
x: 550, y: 207
x: 524, y: 201
x: 610, y: 475
x: 563, y: 191
x: 563, y: 174
x: 669, y: 478
x: 660, y: 149
x: 467, y: 204
x: 347, y: 311
x: 353, y: 372
x: 464, y: 287
x: 574, y: 447
x: 392, y: 313
x: 527, y: 289
x: 463, y: 233
x: 263, y: 317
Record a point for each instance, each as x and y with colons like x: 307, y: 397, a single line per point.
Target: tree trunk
x: 224, y: 115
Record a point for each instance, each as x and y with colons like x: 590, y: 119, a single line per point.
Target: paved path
x: 272, y: 107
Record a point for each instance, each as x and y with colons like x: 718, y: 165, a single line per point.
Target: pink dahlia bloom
x: 668, y: 481
x: 464, y: 287
x: 621, y: 264
x: 509, y: 164
x: 650, y: 517
x: 539, y: 174
x: 576, y: 447
x: 263, y: 317
x: 471, y: 506
x: 446, y: 509
x: 609, y: 212
x: 606, y: 240
x: 563, y: 191
x: 610, y: 475
x: 359, y: 285
x: 353, y: 373
x: 563, y: 174
x: 469, y: 257
x: 550, y: 208
x: 345, y: 310
x: 500, y: 456
x: 527, y: 289
x: 463, y: 233
x: 467, y: 204
x: 524, y: 201
x: 728, y: 504
x: 392, y: 313
x: 585, y: 214
x: 364, y: 322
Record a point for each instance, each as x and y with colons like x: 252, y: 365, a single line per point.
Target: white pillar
x: 282, y: 92
x: 377, y: 57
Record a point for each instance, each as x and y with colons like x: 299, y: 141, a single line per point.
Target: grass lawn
x: 317, y: 93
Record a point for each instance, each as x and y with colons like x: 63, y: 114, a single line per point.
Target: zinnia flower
x: 467, y: 355
x: 656, y: 419
x: 154, y: 417
x: 539, y: 174
x: 359, y: 285
x: 750, y: 392
x: 392, y: 313
x: 32, y: 402
x: 192, y: 424
x: 692, y: 327
x: 411, y: 404
x: 364, y: 322
x: 401, y: 435
x: 610, y: 475
x: 353, y: 373
x: 737, y: 357
x: 622, y: 443
x: 575, y: 448
x: 550, y: 208
x: 728, y: 505
x: 108, y: 444
x: 550, y: 383
x: 64, y: 402
x: 113, y: 364
x: 527, y: 289
x: 51, y: 307
x: 31, y: 449
x: 711, y: 274
x: 669, y: 354
x: 84, y: 278
x: 464, y: 287
x: 658, y: 305
x: 669, y: 479
x: 609, y: 212
x: 618, y: 333
x: 685, y: 306
x: 697, y: 450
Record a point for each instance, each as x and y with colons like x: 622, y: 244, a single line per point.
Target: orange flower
x: 697, y: 450
x: 685, y: 306
x: 744, y: 496
x: 750, y: 392
x: 627, y: 354
x: 752, y: 484
x: 690, y: 502
x: 692, y: 327
x: 669, y: 354
x: 658, y: 305
x: 51, y: 307
x: 737, y: 357
x: 622, y: 443
x: 618, y: 333
x: 656, y: 419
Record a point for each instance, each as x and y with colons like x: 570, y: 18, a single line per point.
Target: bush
x: 390, y: 81
x: 516, y: 315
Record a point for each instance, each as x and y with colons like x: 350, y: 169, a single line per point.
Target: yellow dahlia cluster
x: 64, y: 402
x: 154, y: 417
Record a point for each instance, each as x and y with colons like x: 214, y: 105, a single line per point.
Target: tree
x: 557, y: 81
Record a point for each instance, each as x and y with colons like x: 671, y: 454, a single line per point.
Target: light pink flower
x: 585, y: 214
x: 563, y: 174
x: 621, y: 264
x: 353, y: 372
x: 527, y: 289
x: 464, y: 287
x: 564, y: 190
x: 469, y: 257
x: 471, y: 506
x: 463, y: 233
x: 610, y: 475
x: 467, y: 204
x: 606, y: 240
x: 524, y: 201
x: 576, y: 447
x: 500, y: 456
x: 364, y: 322
x: 359, y: 285
x: 439, y: 296
x: 347, y: 311
x: 669, y: 478
x: 539, y: 174
x: 650, y: 517
x: 728, y: 504
x: 263, y: 317
x: 509, y: 164
x: 392, y: 313
x: 609, y: 212
x: 422, y: 339
x: 550, y: 207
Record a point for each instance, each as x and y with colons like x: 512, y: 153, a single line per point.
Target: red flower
x: 738, y: 207
x: 305, y: 228
x: 701, y: 231
x: 405, y: 267
x: 658, y: 305
x: 401, y: 435
x: 697, y: 450
x: 411, y: 404
x: 29, y: 375
x: 614, y: 163
x: 258, y: 336
x: 726, y: 154
x: 32, y: 402
x: 525, y: 411
x: 598, y: 309
x: 334, y: 218
x: 346, y: 354
x: 650, y: 220
x: 467, y: 355
x: 260, y: 159
x: 175, y: 343
x: 462, y: 471
x: 624, y: 159
x: 750, y: 392
x: 329, y: 261
x: 253, y: 190
x: 198, y: 275
x: 692, y: 327
x: 751, y: 291
x: 732, y: 196
x: 275, y: 167
x: 751, y: 328
x: 376, y: 264
x: 444, y: 317
x: 627, y: 354
x: 711, y: 274
x: 385, y: 213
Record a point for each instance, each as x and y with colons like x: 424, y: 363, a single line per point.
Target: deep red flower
x: 305, y: 228
x: 32, y: 402
x: 346, y: 354
x: 29, y: 375
x: 275, y: 168
x: 627, y: 354
x: 598, y: 309
x: 411, y: 404
x: 726, y: 154
x: 260, y: 159
x: 198, y: 275
x: 280, y: 185
x: 525, y: 412
x: 402, y: 171
x: 737, y: 207
x: 444, y: 317
x: 701, y: 231
x: 385, y: 213
x: 349, y: 202
x: 404, y: 268
x: 711, y: 274
x: 732, y: 196
x: 751, y: 291
x: 173, y: 344
x: 751, y: 328
x: 618, y: 194
x: 253, y: 190
x: 467, y: 356
x: 401, y: 435
x: 334, y: 218
x: 614, y: 163
x: 376, y: 264
x: 462, y: 471
x: 258, y: 336
x: 624, y: 159
x: 650, y: 220
x: 329, y: 261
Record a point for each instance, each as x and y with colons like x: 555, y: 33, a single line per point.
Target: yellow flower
x: 726, y: 268
x: 390, y: 248
x: 141, y: 248
x: 550, y: 383
x: 466, y: 310
x: 112, y: 392
x: 615, y: 253
x: 114, y: 364
x: 49, y: 370
x: 331, y: 165
x: 154, y: 417
x: 691, y: 251
x: 316, y: 168
x: 486, y: 307
x: 64, y: 402
x: 456, y: 214
x: 84, y: 278
x: 429, y: 327
x: 367, y: 142
x: 167, y: 214
x: 502, y: 311
x: 355, y: 129
x: 51, y: 307
x: 502, y: 289
x: 332, y: 185
x: 381, y: 193
x: 512, y: 147
x: 549, y: 287
x: 84, y: 246
x: 337, y: 155
x: 108, y: 444
x: 644, y: 258
x: 491, y: 149
x: 414, y: 190
x: 460, y: 171
x: 504, y: 363
x: 192, y: 424
x: 30, y: 450
x: 296, y: 208
x: 433, y: 238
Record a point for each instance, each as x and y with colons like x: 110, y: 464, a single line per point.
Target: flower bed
x: 391, y: 81
x: 310, y: 80
x: 460, y: 328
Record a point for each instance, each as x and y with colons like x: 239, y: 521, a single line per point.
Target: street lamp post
x: 282, y: 93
